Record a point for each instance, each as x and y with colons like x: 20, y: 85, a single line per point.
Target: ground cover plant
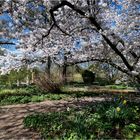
x: 31, y: 89
x: 118, y: 119
x: 26, y: 95
x: 34, y: 98
x: 33, y: 93
x: 119, y: 87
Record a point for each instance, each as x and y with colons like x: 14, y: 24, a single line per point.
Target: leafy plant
x: 99, y: 121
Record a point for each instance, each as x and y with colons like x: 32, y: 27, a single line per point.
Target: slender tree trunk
x: 64, y: 71
x: 17, y: 83
x: 49, y: 67
x: 32, y: 77
x: 60, y: 73
x: 27, y: 80
x: 72, y: 73
x: 138, y: 79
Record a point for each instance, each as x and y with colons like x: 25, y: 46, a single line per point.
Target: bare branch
x: 44, y: 36
x: 136, y: 61
x: 113, y: 46
x: 108, y: 61
x: 6, y: 43
x: 62, y: 4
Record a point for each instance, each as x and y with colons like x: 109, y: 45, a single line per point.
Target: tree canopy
x: 106, y: 31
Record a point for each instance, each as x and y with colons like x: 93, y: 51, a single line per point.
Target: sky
x: 5, y: 17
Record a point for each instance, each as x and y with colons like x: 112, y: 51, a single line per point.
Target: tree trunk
x: 64, y: 71
x: 32, y: 77
x: 49, y: 67
x: 18, y: 83
x: 27, y: 80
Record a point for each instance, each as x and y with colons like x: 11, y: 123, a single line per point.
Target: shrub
x: 25, y: 99
x: 102, y: 81
x: 45, y: 83
x: 37, y: 98
x: 117, y: 87
x: 88, y: 76
x: 11, y: 100
x: 33, y: 89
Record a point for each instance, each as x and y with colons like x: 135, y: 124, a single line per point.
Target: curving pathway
x: 11, y: 116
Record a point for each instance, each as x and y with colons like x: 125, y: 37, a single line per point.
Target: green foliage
x: 105, y: 73
x: 10, y: 80
x: 35, y: 94
x: 102, y: 81
x: 22, y: 99
x: 26, y: 95
x: 88, y: 76
x: 118, y: 87
x: 25, y: 99
x: 56, y: 96
x: 20, y: 91
x: 36, y: 98
x: 14, y: 99
x: 99, y: 121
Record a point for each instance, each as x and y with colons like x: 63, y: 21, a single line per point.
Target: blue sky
x: 6, y: 17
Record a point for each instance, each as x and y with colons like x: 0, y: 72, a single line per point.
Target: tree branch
x: 55, y: 8
x: 43, y: 36
x: 6, y: 43
x: 118, y: 52
x: 95, y: 23
x: 136, y: 60
x: 108, y: 61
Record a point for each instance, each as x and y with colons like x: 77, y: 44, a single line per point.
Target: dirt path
x: 11, y: 116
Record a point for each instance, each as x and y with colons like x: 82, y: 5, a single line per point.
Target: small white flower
x: 135, y: 73
x: 68, y: 109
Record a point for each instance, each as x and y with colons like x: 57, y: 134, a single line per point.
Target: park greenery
x: 73, y: 51
x: 120, y: 120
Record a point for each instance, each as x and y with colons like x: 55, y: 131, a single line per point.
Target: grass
x: 26, y: 95
x: 22, y: 99
x: 20, y: 91
x: 99, y: 121
x: 118, y: 87
x: 13, y: 91
x: 34, y: 94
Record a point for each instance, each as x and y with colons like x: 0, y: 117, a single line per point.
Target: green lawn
x: 34, y: 94
x: 26, y: 95
x: 119, y: 87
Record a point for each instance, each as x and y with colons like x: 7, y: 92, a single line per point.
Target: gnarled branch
x: 96, y: 24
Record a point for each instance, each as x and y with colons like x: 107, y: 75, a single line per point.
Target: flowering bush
x: 120, y: 114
